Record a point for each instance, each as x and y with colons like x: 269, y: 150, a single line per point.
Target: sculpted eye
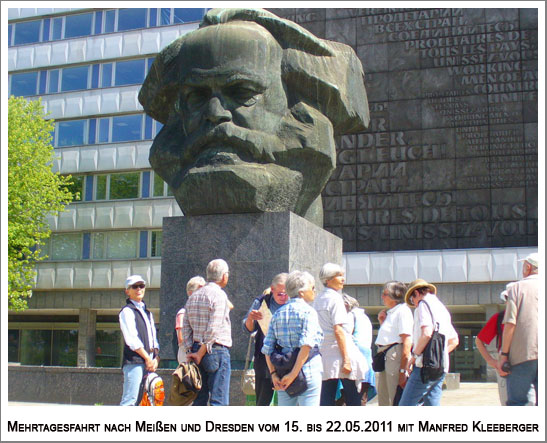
x: 195, y: 97
x: 244, y: 95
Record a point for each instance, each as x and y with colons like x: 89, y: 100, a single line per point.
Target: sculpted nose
x: 216, y: 112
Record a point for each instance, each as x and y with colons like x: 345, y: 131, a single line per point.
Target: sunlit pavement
x: 468, y: 394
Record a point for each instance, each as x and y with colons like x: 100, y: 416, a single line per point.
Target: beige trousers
x: 387, y: 381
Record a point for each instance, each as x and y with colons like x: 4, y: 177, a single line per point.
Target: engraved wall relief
x: 450, y: 157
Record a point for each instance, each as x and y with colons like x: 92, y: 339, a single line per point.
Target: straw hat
x: 417, y: 284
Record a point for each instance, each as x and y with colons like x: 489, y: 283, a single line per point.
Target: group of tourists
x: 314, y: 347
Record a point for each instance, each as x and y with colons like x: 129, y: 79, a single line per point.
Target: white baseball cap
x: 132, y: 279
x: 532, y: 258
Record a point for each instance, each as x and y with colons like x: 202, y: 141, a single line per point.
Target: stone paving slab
x: 468, y: 394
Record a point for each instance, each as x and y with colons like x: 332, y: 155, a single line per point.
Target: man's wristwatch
x: 415, y: 355
x: 505, y: 354
x: 402, y: 371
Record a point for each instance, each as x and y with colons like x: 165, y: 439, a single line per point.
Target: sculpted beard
x: 241, y: 170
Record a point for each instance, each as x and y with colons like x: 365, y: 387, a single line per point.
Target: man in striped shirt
x: 207, y: 333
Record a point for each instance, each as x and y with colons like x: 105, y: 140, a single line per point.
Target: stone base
x: 452, y: 381
x: 255, y: 246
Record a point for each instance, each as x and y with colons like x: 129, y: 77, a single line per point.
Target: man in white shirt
x: 141, y: 347
x: 429, y: 311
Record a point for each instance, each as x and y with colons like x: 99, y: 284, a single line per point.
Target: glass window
x: 104, y: 130
x: 155, y: 250
x: 158, y: 186
x: 100, y: 192
x: 133, y: 18
x: 108, y: 348
x: 66, y: 246
x: 98, y: 21
x: 35, y: 347
x: 13, y: 345
x: 24, y: 84
x: 153, y: 17
x: 130, y: 72
x: 45, y: 30
x: 165, y: 16
x: 53, y: 85
x: 78, y: 25
x: 98, y: 239
x: 158, y: 127
x: 106, y: 78
x: 64, y: 350
x: 126, y: 128
x: 77, y: 187
x: 71, y: 133
x: 74, y: 78
x: 121, y: 244
x: 110, y: 20
x: 27, y: 32
x: 10, y: 33
x: 57, y: 29
x: 185, y: 15
x: 124, y: 185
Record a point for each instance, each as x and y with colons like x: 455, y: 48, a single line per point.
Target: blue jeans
x: 132, y: 378
x: 310, y: 397
x: 416, y: 392
x: 215, y: 371
x: 520, y: 381
x: 330, y: 386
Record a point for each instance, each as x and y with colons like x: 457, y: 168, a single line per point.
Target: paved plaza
x: 468, y: 394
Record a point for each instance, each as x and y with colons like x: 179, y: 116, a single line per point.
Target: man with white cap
x: 520, y: 335
x: 141, y: 347
x: 494, y: 329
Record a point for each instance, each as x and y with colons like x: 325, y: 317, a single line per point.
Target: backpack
x: 153, y: 391
x: 432, y: 362
x: 186, y: 384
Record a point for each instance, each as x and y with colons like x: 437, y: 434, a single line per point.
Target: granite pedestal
x: 256, y: 247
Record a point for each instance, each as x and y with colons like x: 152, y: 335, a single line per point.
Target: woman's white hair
x: 298, y: 281
x: 216, y: 269
x: 329, y: 271
x: 194, y: 284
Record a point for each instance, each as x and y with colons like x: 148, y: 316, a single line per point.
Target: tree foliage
x: 34, y: 192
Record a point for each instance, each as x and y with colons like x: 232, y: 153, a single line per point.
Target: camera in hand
x: 506, y: 367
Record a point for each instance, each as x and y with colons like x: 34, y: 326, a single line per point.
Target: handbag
x: 433, y: 354
x: 248, y: 377
x: 284, y: 363
x: 186, y: 384
x: 379, y: 360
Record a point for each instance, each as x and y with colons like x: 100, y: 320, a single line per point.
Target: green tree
x: 34, y: 192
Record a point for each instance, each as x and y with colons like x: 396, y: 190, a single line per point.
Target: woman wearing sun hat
x: 422, y: 295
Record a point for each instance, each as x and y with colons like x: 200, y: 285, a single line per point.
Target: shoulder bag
x: 432, y: 361
x: 248, y: 376
x: 379, y: 360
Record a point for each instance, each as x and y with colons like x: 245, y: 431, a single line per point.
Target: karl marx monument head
x: 250, y: 105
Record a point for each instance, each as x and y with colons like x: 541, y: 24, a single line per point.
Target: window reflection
x: 71, y: 133
x: 78, y: 25
x: 130, y: 72
x: 126, y: 128
x: 75, y: 78
x: 24, y: 84
x: 66, y: 246
x: 125, y: 185
x: 27, y: 32
x: 133, y: 18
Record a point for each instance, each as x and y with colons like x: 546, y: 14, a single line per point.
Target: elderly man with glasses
x: 272, y: 299
x: 141, y: 347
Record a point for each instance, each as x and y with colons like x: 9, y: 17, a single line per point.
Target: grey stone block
x: 255, y: 246
x: 342, y: 31
x: 373, y: 57
x: 528, y: 18
x: 405, y: 85
x: 405, y: 114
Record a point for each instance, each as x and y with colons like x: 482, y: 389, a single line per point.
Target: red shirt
x: 490, y: 330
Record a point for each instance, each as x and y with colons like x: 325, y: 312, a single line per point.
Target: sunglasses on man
x: 138, y: 286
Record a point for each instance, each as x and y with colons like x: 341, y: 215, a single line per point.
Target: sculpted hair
x: 280, y: 279
x: 194, y: 283
x: 328, y: 271
x: 396, y: 290
x: 216, y: 269
x: 298, y: 281
x: 323, y: 74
